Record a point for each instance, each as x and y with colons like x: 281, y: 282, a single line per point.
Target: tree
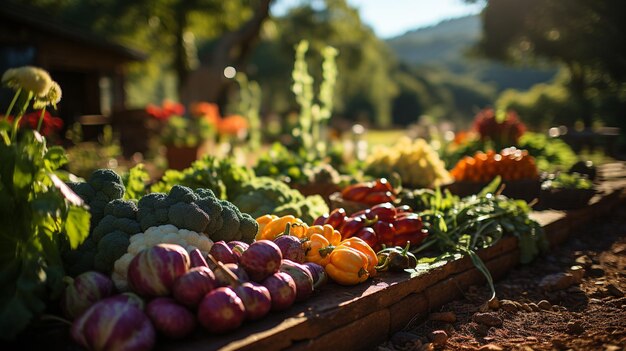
x: 168, y: 30
x: 587, y: 37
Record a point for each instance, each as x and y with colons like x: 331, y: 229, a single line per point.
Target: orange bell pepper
x: 318, y: 249
x: 360, y: 245
x: 347, y: 266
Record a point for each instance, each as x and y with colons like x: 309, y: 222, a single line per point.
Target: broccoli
x: 248, y: 227
x: 120, y: 217
x: 110, y: 248
x: 198, y: 211
x: 188, y: 216
x: 80, y: 260
x: 103, y: 186
x: 230, y: 226
x: 153, y: 210
x: 121, y: 208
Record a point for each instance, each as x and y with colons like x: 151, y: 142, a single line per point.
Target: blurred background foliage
x: 555, y: 62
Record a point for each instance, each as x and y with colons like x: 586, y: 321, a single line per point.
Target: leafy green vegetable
x: 135, y: 181
x: 479, y: 221
x: 567, y: 181
x: 38, y: 213
x: 223, y: 176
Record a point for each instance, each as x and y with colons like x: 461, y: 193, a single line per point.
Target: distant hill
x: 445, y: 46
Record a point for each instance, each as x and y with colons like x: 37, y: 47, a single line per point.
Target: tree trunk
x: 207, y: 83
x: 180, y: 56
x: 578, y: 88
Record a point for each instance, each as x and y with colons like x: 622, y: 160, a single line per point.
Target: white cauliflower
x: 157, y: 235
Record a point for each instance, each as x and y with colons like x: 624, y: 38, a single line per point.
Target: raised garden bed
x: 364, y: 315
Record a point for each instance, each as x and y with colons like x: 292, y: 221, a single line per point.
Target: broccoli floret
x: 204, y: 193
x: 84, y: 190
x: 107, y: 182
x: 188, y: 216
x: 80, y: 260
x: 230, y: 227
x: 111, y: 223
x: 248, y: 227
x: 110, y: 248
x: 211, y: 206
x: 121, y: 209
x: 180, y: 193
x: 103, y: 186
x: 153, y: 210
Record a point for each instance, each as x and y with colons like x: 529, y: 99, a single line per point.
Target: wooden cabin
x: 88, y: 67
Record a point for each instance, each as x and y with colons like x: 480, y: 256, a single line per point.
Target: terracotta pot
x: 181, y: 157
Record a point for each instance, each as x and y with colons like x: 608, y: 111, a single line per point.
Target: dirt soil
x: 570, y: 299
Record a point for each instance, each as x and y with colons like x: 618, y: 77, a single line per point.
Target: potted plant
x: 184, y: 135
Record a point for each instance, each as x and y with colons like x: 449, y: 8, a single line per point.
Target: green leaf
x: 55, y: 158
x: 77, y: 225
x: 492, y: 187
x: 135, y: 182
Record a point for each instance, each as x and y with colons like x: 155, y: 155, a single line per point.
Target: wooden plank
x: 364, y: 333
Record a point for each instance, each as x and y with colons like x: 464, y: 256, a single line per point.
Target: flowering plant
x: 183, y: 130
x: 503, y: 128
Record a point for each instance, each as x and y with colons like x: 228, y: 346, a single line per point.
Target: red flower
x: 166, y: 110
x: 506, y: 130
x: 49, y: 125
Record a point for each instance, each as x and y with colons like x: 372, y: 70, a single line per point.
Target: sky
x: 390, y: 18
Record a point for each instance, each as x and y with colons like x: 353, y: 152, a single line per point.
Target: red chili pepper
x: 353, y: 224
x: 378, y: 197
x: 407, y: 224
x: 321, y: 220
x: 369, y: 236
x: 356, y: 192
x: 382, y: 184
x: 415, y: 237
x: 385, y: 232
x: 385, y: 211
x: 404, y: 209
x: 336, y: 218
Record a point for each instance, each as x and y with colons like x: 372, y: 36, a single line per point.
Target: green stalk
x: 17, y: 94
x: 43, y: 111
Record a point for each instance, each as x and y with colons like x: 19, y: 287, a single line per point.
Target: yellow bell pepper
x: 347, y: 266
x: 360, y: 245
x: 327, y: 231
x: 276, y: 227
x: 263, y: 221
x: 318, y: 249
